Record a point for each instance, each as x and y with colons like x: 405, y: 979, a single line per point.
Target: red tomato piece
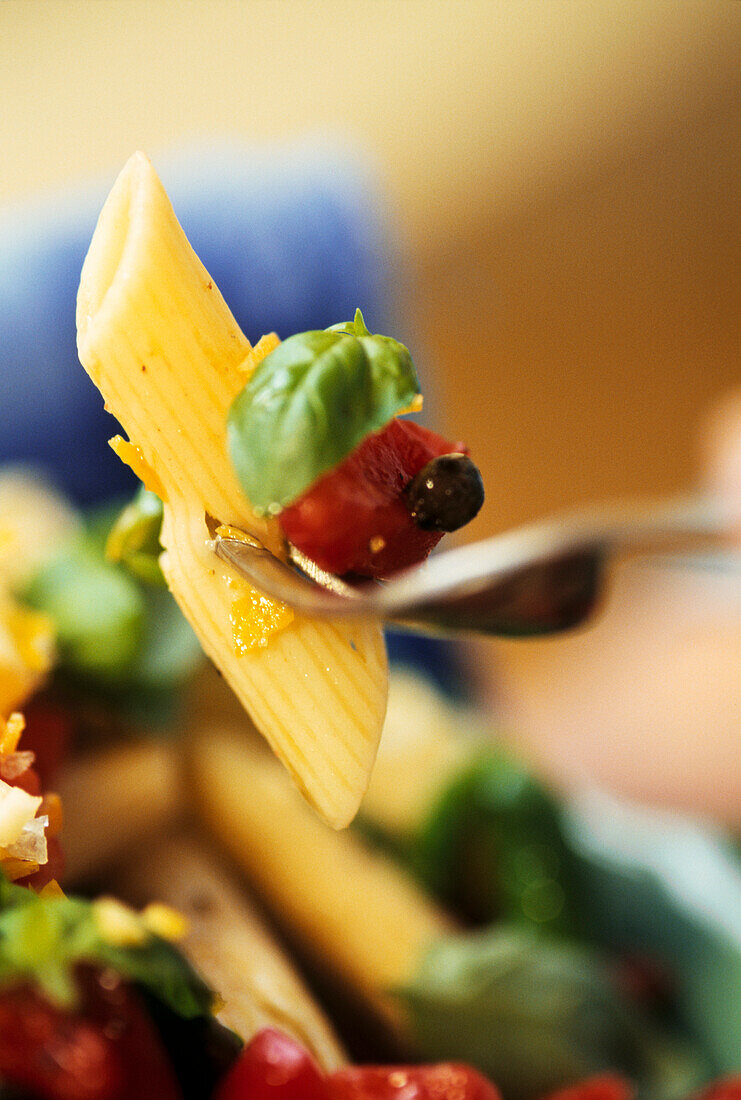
x: 28, y: 781
x: 57, y: 1056
x: 48, y: 733
x: 108, y: 1049
x: 727, y: 1089
x: 354, y: 519
x: 444, y: 1081
x: 605, y: 1087
x: 273, y: 1067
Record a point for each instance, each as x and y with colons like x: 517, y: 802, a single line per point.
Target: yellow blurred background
x: 563, y: 177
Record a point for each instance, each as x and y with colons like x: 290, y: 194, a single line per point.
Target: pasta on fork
x: 160, y: 343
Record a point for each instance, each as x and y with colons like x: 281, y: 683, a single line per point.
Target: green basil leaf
x: 43, y: 939
x: 162, y: 970
x: 97, y: 610
x: 310, y: 403
x: 535, y: 1014
x: 491, y: 846
x: 119, y: 631
x: 656, y: 884
x: 134, y: 538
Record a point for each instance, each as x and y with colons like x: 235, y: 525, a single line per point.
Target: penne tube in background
x: 360, y: 918
x: 228, y: 943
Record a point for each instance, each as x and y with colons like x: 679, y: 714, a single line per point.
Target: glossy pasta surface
x: 158, y: 340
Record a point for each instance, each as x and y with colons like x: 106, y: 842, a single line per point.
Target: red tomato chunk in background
x: 729, y: 1089
x: 604, y: 1087
x: 107, y: 1050
x: 445, y: 1081
x: 274, y: 1067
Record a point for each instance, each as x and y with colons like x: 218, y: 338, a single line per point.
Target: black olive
x: 445, y: 494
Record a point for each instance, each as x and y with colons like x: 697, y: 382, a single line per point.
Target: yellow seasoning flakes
x: 10, y: 732
x: 118, y: 924
x: 254, y: 618
x: 133, y: 457
x: 164, y: 921
x: 52, y: 889
x: 14, y: 868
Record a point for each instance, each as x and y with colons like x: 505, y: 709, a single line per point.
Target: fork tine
x: 277, y: 579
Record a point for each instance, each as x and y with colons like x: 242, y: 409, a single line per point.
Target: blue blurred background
x: 290, y: 244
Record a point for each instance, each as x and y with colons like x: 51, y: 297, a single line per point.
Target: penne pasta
x: 158, y: 340
x: 359, y: 916
x: 228, y: 944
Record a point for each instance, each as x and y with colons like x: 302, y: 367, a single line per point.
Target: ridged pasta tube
x: 229, y: 944
x: 360, y: 917
x: 158, y: 340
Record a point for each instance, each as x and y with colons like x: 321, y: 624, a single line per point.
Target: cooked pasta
x: 158, y: 340
x: 229, y: 944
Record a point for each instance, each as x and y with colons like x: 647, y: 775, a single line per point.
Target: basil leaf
x: 162, y: 970
x: 134, y: 538
x: 534, y: 1015
x: 656, y: 884
x: 309, y: 404
x: 119, y: 631
x: 97, y: 610
x: 491, y: 846
x: 43, y: 939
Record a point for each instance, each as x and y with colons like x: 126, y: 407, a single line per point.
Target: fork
x: 543, y: 578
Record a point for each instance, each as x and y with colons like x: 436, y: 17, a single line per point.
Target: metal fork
x: 539, y: 579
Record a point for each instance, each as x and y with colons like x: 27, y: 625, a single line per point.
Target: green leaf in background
x: 535, y: 1014
x: 134, y: 538
x: 117, y: 635
x: 43, y: 939
x: 159, y: 968
x: 148, y: 690
x: 491, y: 846
x: 310, y: 403
x: 169, y: 651
x: 660, y: 885
x: 97, y: 610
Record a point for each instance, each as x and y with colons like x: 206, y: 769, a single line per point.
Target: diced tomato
x: 273, y: 1067
x: 444, y: 1081
x: 28, y: 781
x: 604, y: 1087
x: 108, y: 1049
x: 354, y: 518
x: 48, y: 734
x: 728, y: 1089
